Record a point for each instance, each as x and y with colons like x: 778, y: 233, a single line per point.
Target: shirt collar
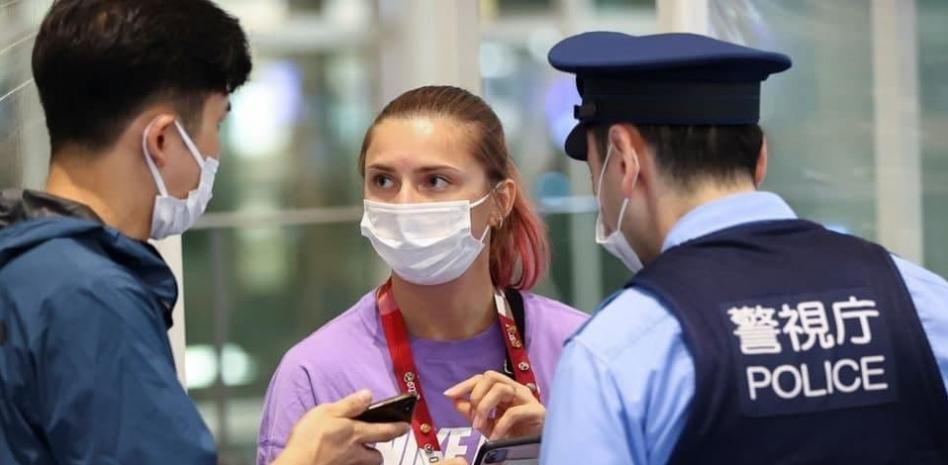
x: 20, y: 205
x: 726, y: 212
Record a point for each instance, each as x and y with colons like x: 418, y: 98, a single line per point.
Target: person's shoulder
x: 71, y: 270
x: 551, y: 318
x: 71, y: 257
x: 637, y: 345
x: 358, y: 327
x: 336, y: 359
x: 928, y: 292
x: 917, y: 276
x: 67, y: 288
x: 552, y: 309
x: 629, y: 324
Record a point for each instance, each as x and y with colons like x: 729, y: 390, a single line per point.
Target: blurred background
x: 857, y: 130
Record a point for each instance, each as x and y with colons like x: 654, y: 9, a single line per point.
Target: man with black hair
x: 134, y: 92
x: 746, y: 336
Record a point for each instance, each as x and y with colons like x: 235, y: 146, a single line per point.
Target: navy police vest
x: 807, y: 350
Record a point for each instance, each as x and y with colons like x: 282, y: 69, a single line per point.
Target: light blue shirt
x: 623, y: 387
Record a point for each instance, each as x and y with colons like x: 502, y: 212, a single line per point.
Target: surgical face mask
x: 424, y: 243
x: 172, y: 215
x: 615, y: 243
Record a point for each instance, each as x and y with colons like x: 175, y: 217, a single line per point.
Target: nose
x: 408, y: 193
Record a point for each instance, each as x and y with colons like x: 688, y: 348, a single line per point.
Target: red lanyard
x: 396, y: 336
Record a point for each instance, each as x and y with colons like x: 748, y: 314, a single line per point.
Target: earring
x: 500, y: 222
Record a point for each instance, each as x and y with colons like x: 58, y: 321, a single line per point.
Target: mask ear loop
x: 482, y: 200
x: 155, y: 174
x: 500, y: 221
x: 625, y: 201
x: 189, y: 143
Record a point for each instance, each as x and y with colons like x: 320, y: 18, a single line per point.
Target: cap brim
x: 576, y: 143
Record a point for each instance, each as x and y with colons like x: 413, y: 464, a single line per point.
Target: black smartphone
x: 398, y: 409
x: 519, y: 451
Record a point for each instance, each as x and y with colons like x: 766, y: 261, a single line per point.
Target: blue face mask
x: 171, y: 215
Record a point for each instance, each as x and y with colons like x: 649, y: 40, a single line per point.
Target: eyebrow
x: 423, y: 169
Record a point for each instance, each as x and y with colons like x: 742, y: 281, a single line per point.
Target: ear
x: 505, y: 195
x: 156, y: 138
x: 626, y: 145
x: 761, y: 172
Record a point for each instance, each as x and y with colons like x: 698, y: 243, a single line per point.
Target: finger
x: 464, y: 407
x: 481, y: 389
x: 487, y: 428
x: 363, y: 455
x: 498, y: 394
x: 477, y: 395
x: 522, y: 417
x: 522, y: 390
x: 352, y: 405
x: 464, y: 387
x: 502, y: 378
x: 498, y: 376
x: 370, y: 433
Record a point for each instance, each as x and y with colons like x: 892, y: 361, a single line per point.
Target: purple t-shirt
x: 350, y: 353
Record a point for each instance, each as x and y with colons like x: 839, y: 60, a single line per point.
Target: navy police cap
x: 669, y: 79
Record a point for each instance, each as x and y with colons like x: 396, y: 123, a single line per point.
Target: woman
x: 442, y: 208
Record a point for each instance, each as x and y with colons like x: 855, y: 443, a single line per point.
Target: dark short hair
x: 99, y: 62
x: 689, y: 154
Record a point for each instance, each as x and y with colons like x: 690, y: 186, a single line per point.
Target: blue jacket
x: 86, y: 370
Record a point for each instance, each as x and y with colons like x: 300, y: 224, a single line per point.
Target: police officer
x: 750, y: 336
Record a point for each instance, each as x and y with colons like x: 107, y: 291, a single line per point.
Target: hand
x: 498, y: 407
x: 327, y: 435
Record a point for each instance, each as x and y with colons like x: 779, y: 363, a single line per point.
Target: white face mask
x: 172, y: 215
x: 615, y: 243
x: 424, y: 243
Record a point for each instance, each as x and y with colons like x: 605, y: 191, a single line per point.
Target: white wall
x: 23, y: 142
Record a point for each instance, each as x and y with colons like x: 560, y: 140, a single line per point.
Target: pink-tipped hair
x: 523, y: 244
